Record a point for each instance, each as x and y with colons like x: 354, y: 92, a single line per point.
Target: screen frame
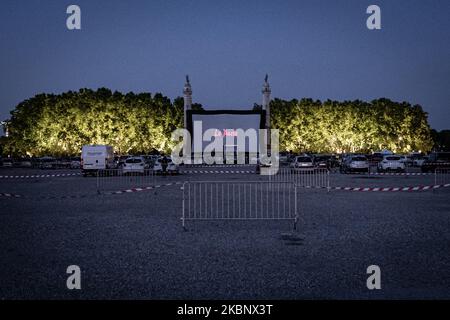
x: 190, y: 113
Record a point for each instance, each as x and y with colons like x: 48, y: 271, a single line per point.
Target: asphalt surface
x: 132, y: 245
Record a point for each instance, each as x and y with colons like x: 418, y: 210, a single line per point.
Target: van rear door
x: 94, y: 160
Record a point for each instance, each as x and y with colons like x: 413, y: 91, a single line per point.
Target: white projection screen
x: 226, y: 122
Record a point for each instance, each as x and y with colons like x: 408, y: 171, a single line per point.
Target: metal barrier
x: 441, y: 176
x: 117, y: 179
x: 226, y: 200
x: 304, y: 178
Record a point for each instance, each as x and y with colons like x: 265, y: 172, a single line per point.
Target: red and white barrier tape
x: 131, y: 190
x: 392, y: 189
x: 362, y: 189
x: 401, y: 173
x: 41, y: 176
x: 436, y: 164
x: 10, y: 195
x: 219, y: 165
x: 389, y: 173
x: 220, y: 171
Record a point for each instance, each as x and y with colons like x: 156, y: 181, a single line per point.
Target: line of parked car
x: 307, y: 161
x: 98, y: 157
x: 101, y: 157
x: 362, y: 163
x: 395, y: 163
x: 97, y: 161
x: 139, y: 164
x: 42, y: 163
x: 387, y: 162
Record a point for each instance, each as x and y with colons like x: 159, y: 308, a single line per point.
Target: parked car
x: 96, y: 157
x: 375, y: 158
x: 407, y: 160
x: 7, y: 163
x: 120, y: 161
x: 344, y: 157
x: 302, y: 162
x: 283, y: 157
x: 75, y: 163
x: 64, y: 163
x: 334, y: 161
x: 265, y: 161
x: 47, y: 163
x: 25, y: 163
x: 355, y: 163
x: 148, y: 161
x: 165, y: 165
x: 436, y: 160
x: 172, y: 168
x: 391, y: 163
x: 418, y: 161
x: 134, y: 165
x: 291, y: 158
x: 323, y: 161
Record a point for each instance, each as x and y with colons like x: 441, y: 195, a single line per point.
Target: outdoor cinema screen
x: 226, y: 123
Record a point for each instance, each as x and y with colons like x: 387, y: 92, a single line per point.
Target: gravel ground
x: 132, y: 245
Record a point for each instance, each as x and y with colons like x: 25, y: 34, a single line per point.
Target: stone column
x: 266, y: 100
x: 187, y: 91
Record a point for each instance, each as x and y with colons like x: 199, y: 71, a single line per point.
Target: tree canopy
x: 350, y: 126
x: 50, y: 124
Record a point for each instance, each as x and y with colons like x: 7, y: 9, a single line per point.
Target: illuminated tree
x: 61, y: 124
x: 350, y: 126
x: 50, y: 124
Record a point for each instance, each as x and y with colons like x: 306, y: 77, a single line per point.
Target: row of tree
x: 350, y: 126
x: 49, y: 124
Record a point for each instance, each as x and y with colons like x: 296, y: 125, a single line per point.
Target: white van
x: 96, y: 157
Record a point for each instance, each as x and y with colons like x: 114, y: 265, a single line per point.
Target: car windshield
x: 133, y: 160
x: 359, y: 159
x: 393, y: 158
x: 304, y: 159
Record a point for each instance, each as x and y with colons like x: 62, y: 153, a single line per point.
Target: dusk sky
x: 312, y: 49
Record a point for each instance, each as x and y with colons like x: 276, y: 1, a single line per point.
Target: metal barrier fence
x: 117, y: 179
x: 304, y: 178
x: 442, y: 176
x: 226, y: 200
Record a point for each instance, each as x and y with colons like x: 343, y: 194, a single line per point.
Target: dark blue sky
x: 318, y: 49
